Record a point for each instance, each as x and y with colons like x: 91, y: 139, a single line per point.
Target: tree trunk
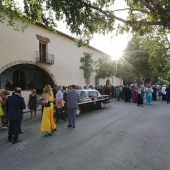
x: 87, y: 81
x: 140, y: 78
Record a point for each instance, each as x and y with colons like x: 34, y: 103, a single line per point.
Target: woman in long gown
x: 47, y: 123
x: 117, y: 91
x: 140, y: 99
x: 133, y: 94
x: 136, y: 95
x: 149, y: 96
x: 32, y: 103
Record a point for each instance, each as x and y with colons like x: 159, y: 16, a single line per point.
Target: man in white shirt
x: 163, y: 93
x: 59, y: 93
x: 59, y: 109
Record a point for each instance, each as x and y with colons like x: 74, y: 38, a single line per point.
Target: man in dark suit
x: 167, y: 94
x: 72, y: 105
x: 14, y: 106
x: 126, y: 93
x: 154, y: 93
x: 65, y: 100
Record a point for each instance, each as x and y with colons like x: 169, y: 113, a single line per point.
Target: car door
x: 83, y: 97
x: 93, y: 96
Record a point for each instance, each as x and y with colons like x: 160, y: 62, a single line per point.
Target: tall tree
x: 86, y: 17
x: 126, y: 72
x: 105, y: 68
x: 138, y: 58
x: 157, y: 46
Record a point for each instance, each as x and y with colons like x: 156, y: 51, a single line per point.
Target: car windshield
x: 92, y: 93
x: 81, y: 93
x: 88, y: 93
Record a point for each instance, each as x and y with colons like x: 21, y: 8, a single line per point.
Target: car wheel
x: 101, y: 105
x: 78, y: 111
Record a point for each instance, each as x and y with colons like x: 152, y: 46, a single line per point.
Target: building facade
x: 36, y: 57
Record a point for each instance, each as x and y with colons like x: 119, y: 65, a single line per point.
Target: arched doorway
x: 19, y: 79
x: 26, y: 76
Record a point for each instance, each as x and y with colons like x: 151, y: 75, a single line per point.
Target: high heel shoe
x: 54, y: 130
x: 48, y: 134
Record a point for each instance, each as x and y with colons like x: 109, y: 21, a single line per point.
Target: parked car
x: 90, y: 98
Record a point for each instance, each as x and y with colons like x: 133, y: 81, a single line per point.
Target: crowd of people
x: 63, y: 101
x: 11, y: 107
x: 138, y: 93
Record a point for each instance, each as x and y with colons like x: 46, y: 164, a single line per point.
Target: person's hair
x: 6, y: 92
x: 18, y: 90
x: 33, y: 91
x: 64, y: 88
x: 69, y: 87
x: 73, y: 86
x: 47, y: 89
x: 58, y: 87
x: 44, y: 90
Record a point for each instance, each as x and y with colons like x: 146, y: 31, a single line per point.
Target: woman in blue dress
x: 117, y: 91
x: 149, y: 96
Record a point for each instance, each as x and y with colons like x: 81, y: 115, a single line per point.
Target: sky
x: 111, y: 44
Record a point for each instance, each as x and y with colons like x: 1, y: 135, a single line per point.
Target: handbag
x: 59, y: 103
x: 47, y: 104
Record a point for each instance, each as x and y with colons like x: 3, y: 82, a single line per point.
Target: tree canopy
x: 126, y: 72
x: 87, y: 17
x: 149, y: 57
x: 105, y: 68
x: 147, y: 20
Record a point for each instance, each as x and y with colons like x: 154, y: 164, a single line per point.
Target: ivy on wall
x: 87, y: 65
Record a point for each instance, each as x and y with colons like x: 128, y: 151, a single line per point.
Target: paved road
x: 121, y: 136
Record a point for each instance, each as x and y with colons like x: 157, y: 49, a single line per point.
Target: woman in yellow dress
x: 47, y: 123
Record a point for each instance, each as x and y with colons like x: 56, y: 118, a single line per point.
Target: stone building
x: 36, y: 57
